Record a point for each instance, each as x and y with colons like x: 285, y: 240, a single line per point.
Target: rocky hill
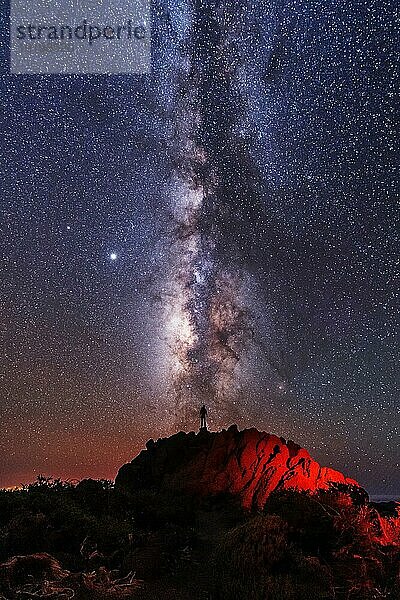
x: 247, y: 464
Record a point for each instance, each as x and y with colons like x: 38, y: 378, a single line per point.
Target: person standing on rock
x: 203, y: 417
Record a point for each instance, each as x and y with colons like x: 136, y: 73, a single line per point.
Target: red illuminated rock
x: 247, y: 464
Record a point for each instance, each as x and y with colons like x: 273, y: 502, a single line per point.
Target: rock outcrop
x: 247, y: 464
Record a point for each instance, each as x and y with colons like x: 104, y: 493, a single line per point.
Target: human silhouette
x: 203, y: 417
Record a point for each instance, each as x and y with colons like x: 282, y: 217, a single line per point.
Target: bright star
x: 113, y: 256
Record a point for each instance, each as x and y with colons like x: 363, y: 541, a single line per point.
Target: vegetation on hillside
x: 90, y: 541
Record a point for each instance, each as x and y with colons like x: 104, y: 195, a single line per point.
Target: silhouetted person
x: 203, y: 417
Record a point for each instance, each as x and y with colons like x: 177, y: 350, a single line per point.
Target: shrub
x: 256, y: 560
x: 310, y: 523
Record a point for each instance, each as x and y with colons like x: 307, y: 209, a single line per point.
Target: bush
x: 257, y: 560
x: 153, y: 510
x: 310, y: 523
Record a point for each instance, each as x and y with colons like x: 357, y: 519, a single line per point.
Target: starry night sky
x: 223, y: 229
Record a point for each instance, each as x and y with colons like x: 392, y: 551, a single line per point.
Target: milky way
x: 207, y: 311
x: 245, y: 190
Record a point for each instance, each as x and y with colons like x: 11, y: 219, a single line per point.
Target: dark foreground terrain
x: 95, y: 540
